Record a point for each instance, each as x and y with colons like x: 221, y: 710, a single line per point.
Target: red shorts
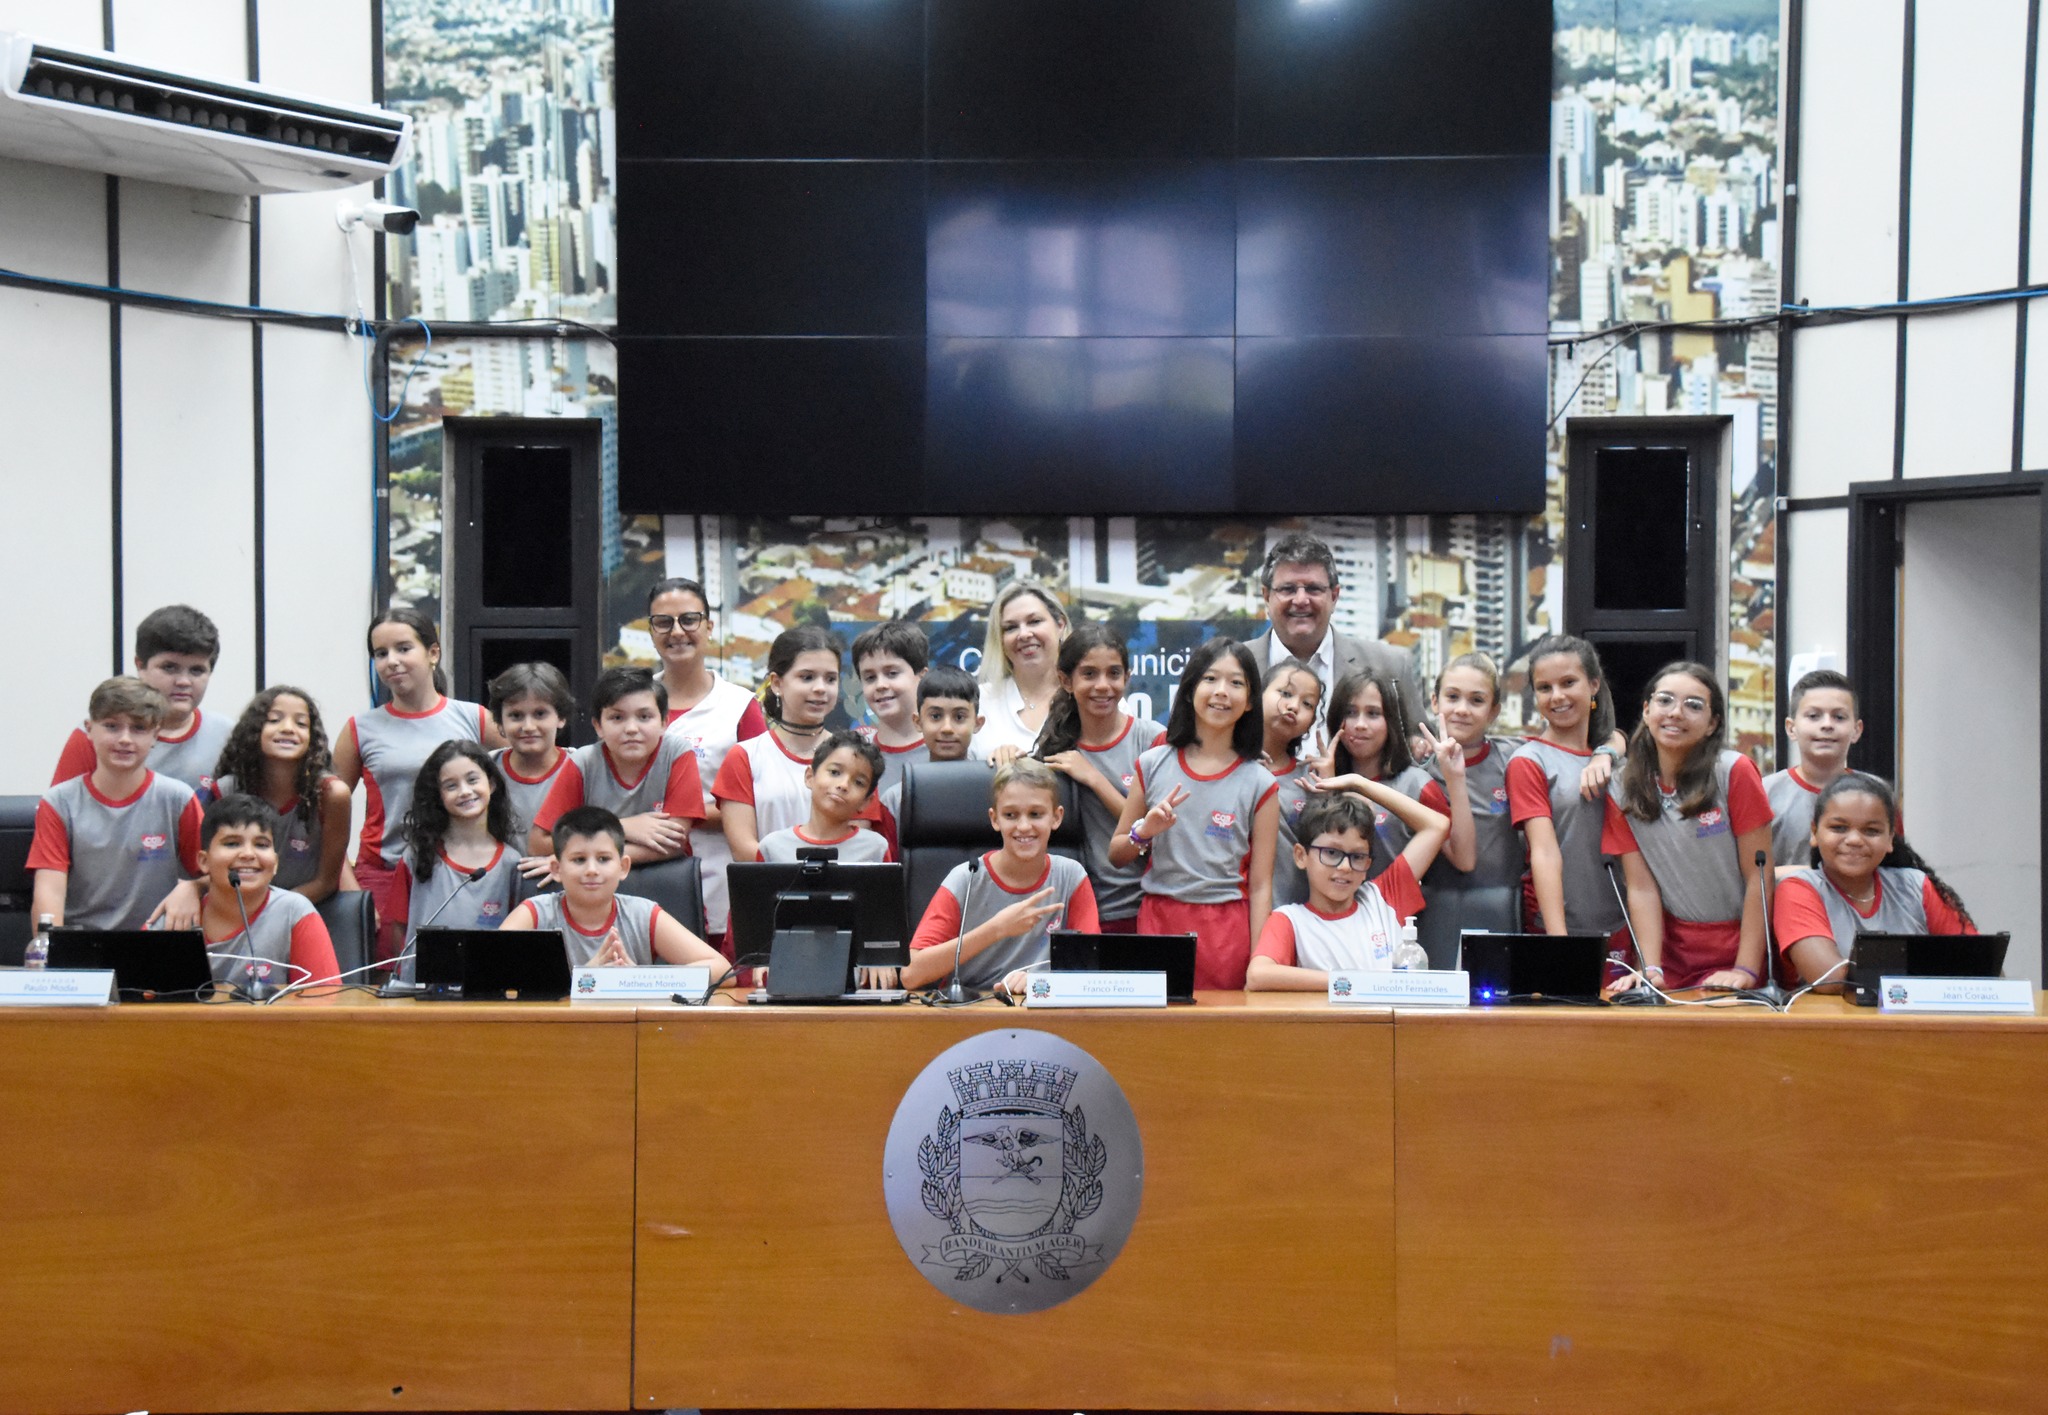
x: 1117, y: 926
x: 1223, y: 937
x: 1691, y: 951
x: 390, y: 888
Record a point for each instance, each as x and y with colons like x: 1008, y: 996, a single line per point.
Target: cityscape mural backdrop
x: 1664, y: 179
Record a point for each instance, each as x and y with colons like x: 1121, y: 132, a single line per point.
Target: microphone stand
x: 398, y: 988
x: 1644, y: 993
x: 256, y: 989
x: 1767, y: 986
x: 954, y: 993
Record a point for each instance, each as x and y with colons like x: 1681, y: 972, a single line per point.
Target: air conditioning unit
x: 84, y: 108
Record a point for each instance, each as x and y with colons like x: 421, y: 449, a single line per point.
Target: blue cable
x: 369, y: 341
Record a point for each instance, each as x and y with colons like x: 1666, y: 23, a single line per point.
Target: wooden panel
x: 236, y: 1209
x: 1258, y: 1273
x: 1687, y: 1213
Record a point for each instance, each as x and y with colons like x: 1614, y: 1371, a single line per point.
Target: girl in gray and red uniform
x: 1369, y: 732
x: 1687, y: 818
x: 1865, y: 879
x: 1468, y: 781
x: 1211, y: 873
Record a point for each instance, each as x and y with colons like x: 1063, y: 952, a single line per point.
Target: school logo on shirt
x: 1013, y: 1171
x: 1222, y: 824
x: 489, y: 909
x: 1129, y: 777
x: 1379, y: 817
x: 1500, y: 799
x: 300, y: 845
x: 154, y: 847
x: 1714, y: 822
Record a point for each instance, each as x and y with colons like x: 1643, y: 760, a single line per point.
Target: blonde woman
x: 1019, y: 669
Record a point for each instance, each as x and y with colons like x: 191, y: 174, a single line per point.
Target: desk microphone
x: 473, y: 877
x: 1644, y: 991
x: 257, y: 988
x: 954, y: 992
x: 1768, y: 984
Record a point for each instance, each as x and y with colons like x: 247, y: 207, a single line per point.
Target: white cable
x: 1802, y: 992
x: 258, y: 958
x: 336, y: 981
x: 1691, y: 1001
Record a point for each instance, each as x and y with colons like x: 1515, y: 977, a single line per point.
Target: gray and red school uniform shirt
x: 1205, y: 856
x: 1290, y: 881
x: 190, y: 757
x: 632, y: 916
x: 284, y: 928
x: 895, y: 760
x: 1117, y: 889
x: 855, y: 847
x: 723, y: 718
x: 482, y: 905
x: 526, y: 794
x: 762, y: 773
x: 589, y: 777
x: 1364, y: 936
x: 1697, y: 865
x: 1807, y: 905
x: 1543, y: 780
x: 1792, y: 797
x: 298, y: 836
x: 1500, y: 863
x: 971, y: 895
x: 121, y: 857
x: 392, y: 746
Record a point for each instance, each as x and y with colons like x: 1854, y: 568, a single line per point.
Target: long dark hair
x: 789, y: 645
x: 1395, y: 757
x: 1695, y: 785
x: 422, y: 628
x: 426, y: 824
x: 241, y: 756
x: 1248, y: 737
x: 1902, y: 856
x: 1601, y: 727
x: 1062, y: 730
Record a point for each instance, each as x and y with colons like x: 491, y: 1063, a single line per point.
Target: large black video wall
x: 1082, y: 256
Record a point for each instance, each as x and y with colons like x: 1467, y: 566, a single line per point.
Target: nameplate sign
x: 1095, y: 990
x: 56, y: 987
x: 657, y: 984
x: 2007, y: 995
x: 1417, y: 987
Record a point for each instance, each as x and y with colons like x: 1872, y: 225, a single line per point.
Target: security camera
x: 377, y: 216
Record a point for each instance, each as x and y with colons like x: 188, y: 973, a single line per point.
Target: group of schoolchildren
x: 1292, y: 828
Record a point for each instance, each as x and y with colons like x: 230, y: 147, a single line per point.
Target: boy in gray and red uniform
x: 176, y: 648
x: 113, y: 845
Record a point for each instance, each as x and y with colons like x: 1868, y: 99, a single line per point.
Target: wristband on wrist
x: 1750, y: 971
x: 1606, y: 751
x: 1144, y: 845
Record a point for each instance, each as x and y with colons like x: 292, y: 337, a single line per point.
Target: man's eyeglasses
x: 1289, y: 591
x: 665, y: 623
x: 1331, y: 857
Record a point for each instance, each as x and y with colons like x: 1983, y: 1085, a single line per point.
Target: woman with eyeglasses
x: 708, y: 713
x: 1687, y: 818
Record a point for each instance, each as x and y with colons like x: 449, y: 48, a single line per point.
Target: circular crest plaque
x: 1013, y: 1171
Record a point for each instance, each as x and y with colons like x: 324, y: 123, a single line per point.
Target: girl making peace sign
x: 1204, y: 814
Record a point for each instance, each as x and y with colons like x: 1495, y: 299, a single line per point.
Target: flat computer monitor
x: 492, y: 965
x: 1171, y: 954
x: 149, y: 965
x: 1534, y: 968
x: 1876, y: 956
x: 867, y: 900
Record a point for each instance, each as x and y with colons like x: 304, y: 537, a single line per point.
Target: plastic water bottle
x: 1410, y: 954
x: 37, y: 952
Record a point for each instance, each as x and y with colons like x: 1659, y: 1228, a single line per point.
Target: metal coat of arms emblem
x: 1013, y: 1171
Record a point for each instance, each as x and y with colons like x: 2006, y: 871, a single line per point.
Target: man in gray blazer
x: 1301, y: 588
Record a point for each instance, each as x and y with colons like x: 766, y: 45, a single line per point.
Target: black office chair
x: 17, y: 881
x: 351, y: 921
x: 676, y: 885
x: 1495, y: 908
x: 944, y: 823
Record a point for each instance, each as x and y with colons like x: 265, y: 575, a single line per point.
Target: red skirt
x: 390, y: 888
x: 1223, y: 937
x: 1692, y: 951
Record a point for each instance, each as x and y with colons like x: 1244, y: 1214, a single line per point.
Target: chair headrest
x: 946, y: 803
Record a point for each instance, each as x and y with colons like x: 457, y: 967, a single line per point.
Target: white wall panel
x: 1969, y: 80
x: 1959, y: 374
x: 1849, y: 153
x: 1842, y: 407
x: 2034, y: 452
x: 74, y: 22
x: 187, y: 523
x: 53, y: 221
x: 183, y: 241
x: 325, y: 51
x: 205, y: 37
x: 55, y: 535
x: 1817, y: 599
x: 318, y: 568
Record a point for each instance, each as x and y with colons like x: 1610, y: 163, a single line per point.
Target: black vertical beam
x: 1905, y: 233
x: 1791, y: 56
x: 114, y: 449
x: 257, y: 470
x: 2019, y: 358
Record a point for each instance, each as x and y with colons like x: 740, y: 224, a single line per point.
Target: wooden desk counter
x: 1258, y: 1273
x: 316, y: 1206
x: 1709, y: 1210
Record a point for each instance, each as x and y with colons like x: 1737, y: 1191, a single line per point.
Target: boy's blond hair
x: 130, y: 698
x: 1025, y: 771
